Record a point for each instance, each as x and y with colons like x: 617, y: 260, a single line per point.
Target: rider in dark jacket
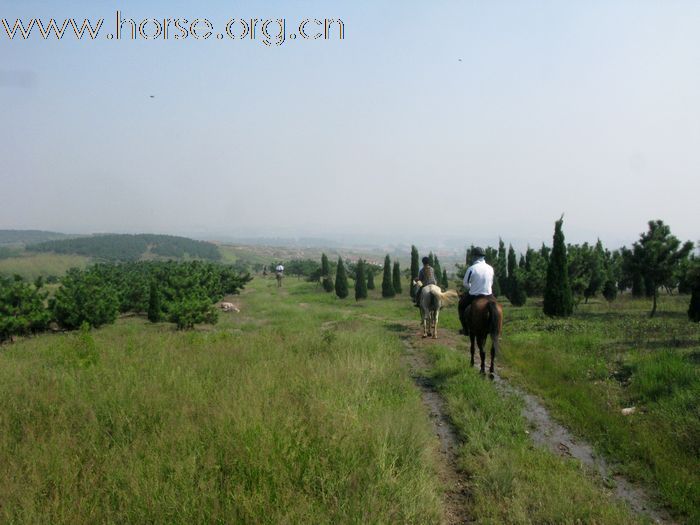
x: 426, y: 276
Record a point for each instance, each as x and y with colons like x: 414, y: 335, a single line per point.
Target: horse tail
x: 446, y: 297
x: 494, y: 319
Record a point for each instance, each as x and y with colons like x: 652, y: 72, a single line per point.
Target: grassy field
x: 297, y: 410
x: 32, y: 265
x: 265, y: 419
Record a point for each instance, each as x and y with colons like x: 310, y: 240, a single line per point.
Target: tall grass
x: 281, y: 423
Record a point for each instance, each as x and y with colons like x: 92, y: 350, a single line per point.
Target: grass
x: 32, y: 265
x: 512, y: 481
x: 268, y: 420
x: 299, y: 410
x: 603, y: 359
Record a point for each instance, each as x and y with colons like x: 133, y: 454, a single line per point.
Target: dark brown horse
x: 482, y: 318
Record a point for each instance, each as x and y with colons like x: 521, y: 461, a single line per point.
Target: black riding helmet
x: 425, y: 260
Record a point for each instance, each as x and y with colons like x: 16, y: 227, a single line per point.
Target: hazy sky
x: 493, y: 117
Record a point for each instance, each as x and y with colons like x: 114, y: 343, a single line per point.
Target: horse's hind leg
x: 494, y: 349
x: 471, y: 348
x: 481, y: 342
x: 435, y: 323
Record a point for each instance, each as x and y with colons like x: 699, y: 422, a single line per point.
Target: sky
x: 429, y: 120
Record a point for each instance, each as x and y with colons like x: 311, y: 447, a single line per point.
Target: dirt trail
x: 547, y: 433
x: 544, y: 431
x: 454, y: 480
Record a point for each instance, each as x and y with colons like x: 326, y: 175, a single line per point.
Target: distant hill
x: 123, y: 247
x: 29, y: 236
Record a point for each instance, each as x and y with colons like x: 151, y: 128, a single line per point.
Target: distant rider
x: 279, y: 273
x: 426, y: 276
x: 478, y: 282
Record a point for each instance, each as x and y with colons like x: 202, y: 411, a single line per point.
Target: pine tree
x: 396, y: 278
x: 445, y: 283
x: 360, y: 281
x: 326, y: 279
x: 659, y: 254
x: 387, y: 285
x: 370, y: 278
x: 558, y: 300
x: 154, y: 310
x: 415, y: 268
x: 341, y: 280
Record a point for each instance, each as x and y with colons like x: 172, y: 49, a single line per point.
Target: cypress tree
x: 638, y: 285
x: 370, y: 278
x: 518, y: 297
x: 501, y: 277
x: 341, y: 280
x: 396, y: 277
x: 596, y: 270
x: 387, y: 285
x: 609, y: 290
x: 558, y: 300
x: 154, y: 311
x: 693, y: 278
x: 431, y: 259
x: 694, y: 307
x: 438, y: 269
x: 326, y: 279
x: 444, y: 283
x: 512, y: 265
x: 415, y: 267
x: 360, y: 281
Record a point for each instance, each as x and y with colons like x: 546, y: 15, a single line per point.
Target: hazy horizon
x: 492, y: 118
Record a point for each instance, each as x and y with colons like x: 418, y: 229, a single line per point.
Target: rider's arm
x: 467, y: 278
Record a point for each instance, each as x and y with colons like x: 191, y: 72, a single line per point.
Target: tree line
x: 125, y: 247
x: 568, y: 274
x: 183, y: 293
x: 564, y: 275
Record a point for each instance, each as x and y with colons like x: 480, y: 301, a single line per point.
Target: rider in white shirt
x: 478, y: 282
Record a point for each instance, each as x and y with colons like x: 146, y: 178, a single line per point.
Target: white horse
x: 432, y: 299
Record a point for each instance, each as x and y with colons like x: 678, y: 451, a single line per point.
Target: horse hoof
x: 492, y: 375
x: 482, y: 372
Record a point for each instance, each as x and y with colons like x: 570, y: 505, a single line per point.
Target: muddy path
x: 456, y: 496
x: 547, y: 433
x: 544, y: 431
